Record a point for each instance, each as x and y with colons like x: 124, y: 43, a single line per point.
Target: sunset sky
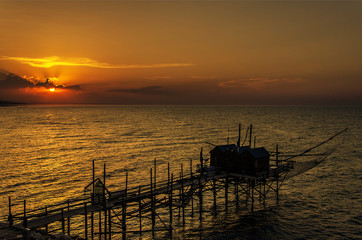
x: 181, y: 52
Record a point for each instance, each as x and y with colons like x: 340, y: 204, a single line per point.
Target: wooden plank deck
x: 117, y: 199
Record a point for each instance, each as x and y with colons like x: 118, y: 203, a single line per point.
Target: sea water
x: 47, y: 152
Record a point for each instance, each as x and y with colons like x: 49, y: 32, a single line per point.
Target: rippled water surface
x: 47, y: 154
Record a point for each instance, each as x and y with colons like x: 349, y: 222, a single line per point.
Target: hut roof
x: 233, y: 147
x: 224, y: 148
x: 259, y: 152
x: 255, y: 152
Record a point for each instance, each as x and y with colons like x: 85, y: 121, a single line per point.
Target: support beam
x: 140, y: 209
x: 170, y: 205
x: 85, y: 222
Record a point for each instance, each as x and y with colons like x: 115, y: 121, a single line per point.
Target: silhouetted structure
x: 234, y: 159
x: 245, y: 172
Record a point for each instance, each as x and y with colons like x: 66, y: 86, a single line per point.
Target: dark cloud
x: 12, y: 81
x: 48, y: 84
x: 149, y: 90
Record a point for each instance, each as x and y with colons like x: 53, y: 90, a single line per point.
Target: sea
x: 47, y: 153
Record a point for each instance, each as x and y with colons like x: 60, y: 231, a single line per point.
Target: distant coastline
x: 8, y: 103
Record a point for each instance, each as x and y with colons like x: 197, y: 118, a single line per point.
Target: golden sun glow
x: 52, y: 89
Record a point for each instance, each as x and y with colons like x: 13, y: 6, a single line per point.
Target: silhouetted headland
x: 8, y: 103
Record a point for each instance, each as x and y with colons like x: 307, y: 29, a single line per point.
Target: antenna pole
x: 238, y: 143
x: 227, y: 141
x: 251, y: 133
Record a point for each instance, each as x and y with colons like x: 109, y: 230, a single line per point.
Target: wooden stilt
x: 105, y: 218
x: 182, y: 196
x: 124, y: 216
x: 110, y: 224
x: 68, y: 220
x: 200, y: 185
x: 93, y: 199
x: 10, y: 217
x: 191, y: 189
x: 214, y: 192
x: 247, y: 195
x: 264, y: 183
x: 92, y: 225
x: 226, y: 192
x: 25, y: 220
x: 63, y: 222
x: 237, y: 192
x: 93, y: 179
x: 252, y: 195
x: 153, y: 217
x: 277, y: 177
x: 46, y: 214
x: 99, y: 221
x: 168, y: 177
x: 140, y: 209
x: 155, y: 164
x: 179, y: 196
x: 85, y: 222
x: 170, y: 204
x: 104, y: 202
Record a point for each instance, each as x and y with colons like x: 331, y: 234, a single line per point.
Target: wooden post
x: 93, y: 178
x: 99, y: 221
x: 238, y: 143
x: 124, y: 217
x: 155, y: 164
x: 68, y: 220
x: 179, y: 196
x: 260, y: 192
x: 126, y: 183
x: 85, y: 221
x: 110, y: 223
x: 63, y: 222
x: 92, y: 213
x: 277, y: 162
x: 124, y: 210
x: 168, y: 177
x: 46, y: 214
x: 264, y: 183
x: 200, y: 185
x: 92, y: 225
x: 152, y: 207
x: 251, y: 133
x: 247, y: 193
x: 170, y: 204
x: 140, y: 209
x: 214, y: 192
x: 10, y: 217
x: 252, y: 195
x: 191, y: 189
x: 104, y: 174
x: 237, y: 192
x: 226, y: 191
x: 25, y: 221
x: 182, y: 195
x: 105, y: 217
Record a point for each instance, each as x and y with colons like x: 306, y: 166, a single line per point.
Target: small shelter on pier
x: 245, y: 160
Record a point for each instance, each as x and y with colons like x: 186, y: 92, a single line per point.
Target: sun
x: 52, y: 89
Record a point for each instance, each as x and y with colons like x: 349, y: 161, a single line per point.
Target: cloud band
x: 48, y: 62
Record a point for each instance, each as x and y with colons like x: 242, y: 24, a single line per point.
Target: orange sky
x: 183, y: 52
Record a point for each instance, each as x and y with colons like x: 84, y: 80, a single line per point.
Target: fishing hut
x: 248, y: 173
x: 240, y: 159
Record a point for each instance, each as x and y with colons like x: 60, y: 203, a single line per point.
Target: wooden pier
x: 151, y: 208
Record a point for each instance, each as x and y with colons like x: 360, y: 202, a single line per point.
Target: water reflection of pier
x: 151, y: 208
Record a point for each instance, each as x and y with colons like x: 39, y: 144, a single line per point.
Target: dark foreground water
x: 47, y: 154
